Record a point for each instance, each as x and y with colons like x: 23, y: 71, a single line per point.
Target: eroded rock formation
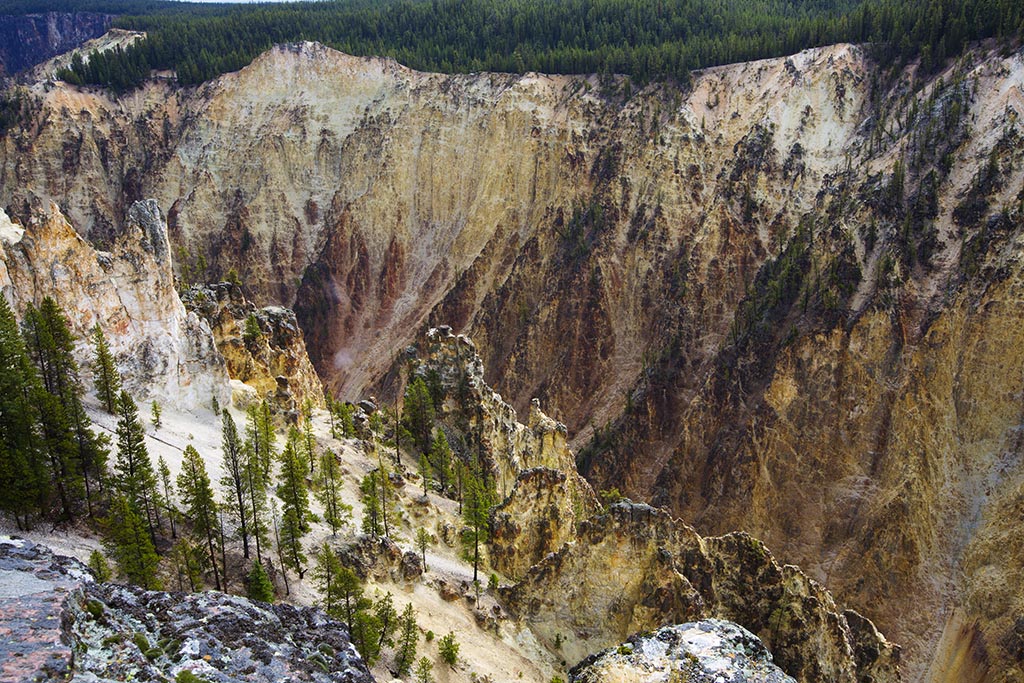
x: 162, y: 351
x: 708, y: 651
x: 270, y: 358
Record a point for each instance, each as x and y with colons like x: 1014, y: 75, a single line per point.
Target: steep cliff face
x: 27, y: 40
x: 263, y: 348
x: 161, y: 350
x: 754, y: 312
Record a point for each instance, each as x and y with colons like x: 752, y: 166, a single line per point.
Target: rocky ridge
x: 59, y: 623
x: 161, y: 350
x: 634, y: 568
x: 589, y: 576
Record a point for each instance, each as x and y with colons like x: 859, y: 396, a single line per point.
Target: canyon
x: 783, y: 298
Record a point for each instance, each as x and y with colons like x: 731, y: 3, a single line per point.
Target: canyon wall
x: 783, y: 298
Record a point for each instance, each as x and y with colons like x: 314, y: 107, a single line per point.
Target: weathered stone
x: 58, y: 623
x: 635, y: 568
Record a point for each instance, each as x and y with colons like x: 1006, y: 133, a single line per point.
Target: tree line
x: 645, y: 39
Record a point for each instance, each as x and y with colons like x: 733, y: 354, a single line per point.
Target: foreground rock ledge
x: 58, y: 623
x: 709, y: 651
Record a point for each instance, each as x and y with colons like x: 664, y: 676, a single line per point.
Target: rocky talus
x: 782, y: 299
x: 161, y: 350
x: 269, y: 360
x: 60, y: 624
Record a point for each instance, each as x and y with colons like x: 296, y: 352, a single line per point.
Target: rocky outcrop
x: 162, y: 351
x: 539, y: 516
x: 709, y: 651
x: 28, y: 39
x: 635, y: 568
x: 478, y: 417
x: 544, y: 497
x: 59, y: 623
x: 262, y: 347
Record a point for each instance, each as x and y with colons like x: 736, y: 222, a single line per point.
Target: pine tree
x: 336, y: 513
x: 387, y: 617
x: 260, y: 435
x: 133, y: 471
x: 368, y: 490
x: 24, y: 477
x: 408, y: 636
x: 258, y: 585
x: 295, y: 509
x: 257, y: 488
x: 235, y: 479
x: 200, y: 507
x: 423, y: 542
x: 424, y: 671
x: 307, y: 434
x: 168, y: 493
x: 106, y: 378
x: 476, y: 513
x: 448, y: 648
x: 99, y: 566
x: 130, y: 545
x: 188, y: 565
x: 155, y: 412
x: 441, y: 459
x: 346, y: 425
x: 419, y: 413
x: 425, y: 472
x: 326, y: 579
x: 78, y: 454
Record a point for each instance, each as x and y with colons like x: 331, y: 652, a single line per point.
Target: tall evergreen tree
x: 168, y: 493
x: 260, y: 435
x: 295, y: 505
x: 200, y: 506
x: 133, y: 471
x: 441, y: 459
x: 336, y: 512
x: 326, y: 579
x: 130, y: 545
x: 419, y: 413
x: 258, y: 585
x: 236, y: 479
x: 24, y: 479
x: 476, y: 513
x: 408, y: 636
x: 106, y: 378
